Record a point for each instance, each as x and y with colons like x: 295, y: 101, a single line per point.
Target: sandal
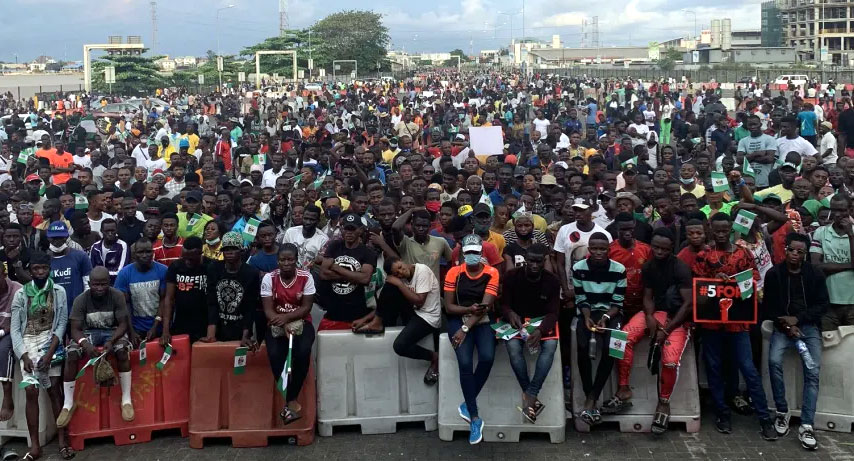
x: 28, y: 457
x: 741, y: 405
x: 659, y: 422
x: 431, y: 377
x: 587, y: 417
x: 539, y: 407
x: 530, y: 413
x: 67, y: 453
x: 597, y: 416
x: 615, y: 405
x: 288, y: 416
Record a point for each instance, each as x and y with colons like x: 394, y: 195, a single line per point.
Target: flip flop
x: 659, y: 422
x: 587, y: 417
x: 615, y: 405
x: 431, y: 377
x: 28, y: 457
x: 288, y: 416
x: 538, y: 406
x: 529, y: 413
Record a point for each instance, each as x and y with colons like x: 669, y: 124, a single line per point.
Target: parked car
x: 794, y: 79
x: 159, y: 105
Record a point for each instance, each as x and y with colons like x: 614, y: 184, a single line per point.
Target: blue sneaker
x: 476, y: 434
x: 464, y: 413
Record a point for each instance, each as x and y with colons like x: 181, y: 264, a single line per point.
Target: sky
x: 190, y: 27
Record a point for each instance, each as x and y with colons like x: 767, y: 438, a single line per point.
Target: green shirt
x: 740, y: 133
x: 835, y: 248
x: 725, y: 208
x: 198, y: 227
x: 429, y: 254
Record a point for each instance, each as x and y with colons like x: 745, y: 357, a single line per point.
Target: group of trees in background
x: 346, y: 35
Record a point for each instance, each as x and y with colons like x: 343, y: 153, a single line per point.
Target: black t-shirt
x: 666, y: 279
x: 797, y: 303
x: 532, y: 299
x: 189, y: 309
x: 846, y: 125
x: 517, y: 254
x: 345, y: 300
x: 643, y: 231
x: 23, y: 257
x: 132, y: 232
x: 232, y: 299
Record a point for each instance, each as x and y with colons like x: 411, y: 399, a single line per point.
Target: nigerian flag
x: 617, y: 344
x: 745, y: 283
x: 251, y: 229
x: 747, y: 170
x: 260, y: 159
x: 719, y: 182
x: 26, y: 154
x: 743, y: 222
x: 282, y: 385
x: 81, y: 202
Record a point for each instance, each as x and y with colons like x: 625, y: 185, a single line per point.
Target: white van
x: 794, y: 79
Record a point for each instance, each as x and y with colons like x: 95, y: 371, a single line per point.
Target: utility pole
x: 283, y: 17
x: 153, y: 26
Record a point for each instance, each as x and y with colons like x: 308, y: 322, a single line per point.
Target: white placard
x: 486, y: 140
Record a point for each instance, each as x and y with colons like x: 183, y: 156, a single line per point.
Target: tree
x: 230, y: 68
x: 135, y: 74
x: 282, y: 63
x: 354, y: 34
x: 453, y: 61
x: 667, y: 60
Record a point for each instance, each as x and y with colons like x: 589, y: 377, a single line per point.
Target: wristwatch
x: 465, y: 328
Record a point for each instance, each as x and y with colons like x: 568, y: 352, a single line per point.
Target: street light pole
x: 217, y: 38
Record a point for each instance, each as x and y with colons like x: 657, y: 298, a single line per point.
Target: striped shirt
x: 599, y: 288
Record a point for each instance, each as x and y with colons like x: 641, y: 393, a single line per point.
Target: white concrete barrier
x: 684, y: 403
x: 361, y: 381
x: 499, y: 398
x: 835, y: 406
x: 17, y: 426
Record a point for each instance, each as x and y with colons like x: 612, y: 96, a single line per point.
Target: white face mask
x: 212, y: 242
x: 58, y: 249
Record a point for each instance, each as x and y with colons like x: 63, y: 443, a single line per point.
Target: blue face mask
x: 333, y: 212
x: 686, y: 181
x: 472, y: 259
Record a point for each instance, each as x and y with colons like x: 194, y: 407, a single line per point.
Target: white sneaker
x: 807, y: 437
x: 781, y: 423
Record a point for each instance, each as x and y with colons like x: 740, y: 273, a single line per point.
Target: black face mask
x: 525, y: 236
x: 40, y: 282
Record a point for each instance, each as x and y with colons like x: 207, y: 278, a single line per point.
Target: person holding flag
x: 232, y: 287
x: 287, y: 294
x: 724, y: 260
x: 39, y: 318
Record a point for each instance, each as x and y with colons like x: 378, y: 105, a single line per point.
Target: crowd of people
x: 227, y: 217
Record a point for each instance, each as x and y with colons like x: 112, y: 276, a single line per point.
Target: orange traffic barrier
x: 160, y: 399
x: 243, y: 407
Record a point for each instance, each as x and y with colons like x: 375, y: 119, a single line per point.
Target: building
x: 40, y: 63
x: 435, y: 58
x: 563, y: 57
x: 524, y: 46
x: 819, y: 31
x: 399, y: 60
x: 772, y: 27
x: 186, y: 62
x: 166, y: 64
x: 757, y: 56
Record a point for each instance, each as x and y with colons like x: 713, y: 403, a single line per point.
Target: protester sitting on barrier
x: 470, y: 292
x: 287, y: 294
x: 832, y: 251
x: 345, y: 271
x: 99, y: 318
x: 530, y: 292
x: 8, y: 288
x: 795, y: 300
x: 144, y: 285
x: 233, y: 289
x: 39, y: 317
x: 723, y: 260
x: 600, y: 288
x: 666, y: 308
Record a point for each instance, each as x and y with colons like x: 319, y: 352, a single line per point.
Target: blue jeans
x: 516, y: 351
x: 713, y: 347
x: 779, y: 343
x: 482, y: 338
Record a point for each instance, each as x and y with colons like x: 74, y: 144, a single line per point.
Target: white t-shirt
x: 270, y: 177
x: 423, y: 281
x: 542, y: 126
x: 154, y: 165
x: 308, y: 248
x: 799, y: 145
x: 569, y: 238
x: 828, y: 141
x: 643, y: 131
x: 96, y: 225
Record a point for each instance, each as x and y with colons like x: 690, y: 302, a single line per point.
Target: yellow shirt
x: 165, y: 153
x: 699, y: 191
x: 498, y: 240
x: 345, y: 204
x: 214, y: 253
x: 784, y: 194
x: 193, y: 140
x: 388, y: 155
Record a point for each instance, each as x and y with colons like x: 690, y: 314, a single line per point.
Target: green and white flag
x: 743, y: 222
x: 251, y: 229
x: 617, y: 344
x: 143, y: 353
x: 88, y: 364
x: 533, y: 324
x: 631, y: 161
x: 167, y: 354
x: 747, y: 170
x: 745, y: 283
x: 192, y: 221
x: 297, y: 179
x: 319, y: 181
x: 504, y: 330
x: 81, y: 202
x: 28, y: 381
x: 719, y: 182
x: 26, y: 154
x: 240, y: 360
x: 282, y: 384
x: 260, y: 159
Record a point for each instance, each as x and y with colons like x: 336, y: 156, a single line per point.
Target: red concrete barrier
x: 245, y: 407
x: 160, y: 399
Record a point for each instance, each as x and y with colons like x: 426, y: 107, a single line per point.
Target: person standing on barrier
x: 8, y: 288
x: 723, y: 260
x: 666, y: 282
x: 287, y: 294
x: 99, y: 318
x: 233, y: 293
x: 470, y: 292
x: 795, y: 300
x: 600, y: 288
x: 517, y: 307
x: 39, y: 318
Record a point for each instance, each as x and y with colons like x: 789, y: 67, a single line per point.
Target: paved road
x: 412, y: 443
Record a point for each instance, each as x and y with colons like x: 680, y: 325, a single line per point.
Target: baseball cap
x: 183, y: 143
x: 472, y: 243
x: 351, y: 219
x: 33, y: 177
x: 580, y: 204
x: 548, y: 180
x: 482, y: 208
x: 464, y: 211
x: 57, y: 229
x: 510, y: 159
x: 562, y: 164
x: 790, y: 165
x: 194, y: 195
x: 630, y: 169
x: 827, y: 125
x: 231, y: 240
x: 255, y: 167
x: 520, y: 171
x: 246, y: 181
x: 328, y: 193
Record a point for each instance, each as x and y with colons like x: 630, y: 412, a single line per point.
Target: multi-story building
x: 820, y: 30
x: 772, y: 27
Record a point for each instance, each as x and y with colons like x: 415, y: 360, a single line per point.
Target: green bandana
x: 39, y: 297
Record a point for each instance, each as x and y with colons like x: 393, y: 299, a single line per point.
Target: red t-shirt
x: 687, y: 256
x: 288, y: 298
x: 633, y: 259
x: 167, y: 255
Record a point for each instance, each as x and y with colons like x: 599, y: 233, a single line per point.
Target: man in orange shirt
x: 61, y: 162
x: 632, y: 254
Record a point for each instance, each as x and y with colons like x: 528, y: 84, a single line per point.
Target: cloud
x: 563, y: 19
